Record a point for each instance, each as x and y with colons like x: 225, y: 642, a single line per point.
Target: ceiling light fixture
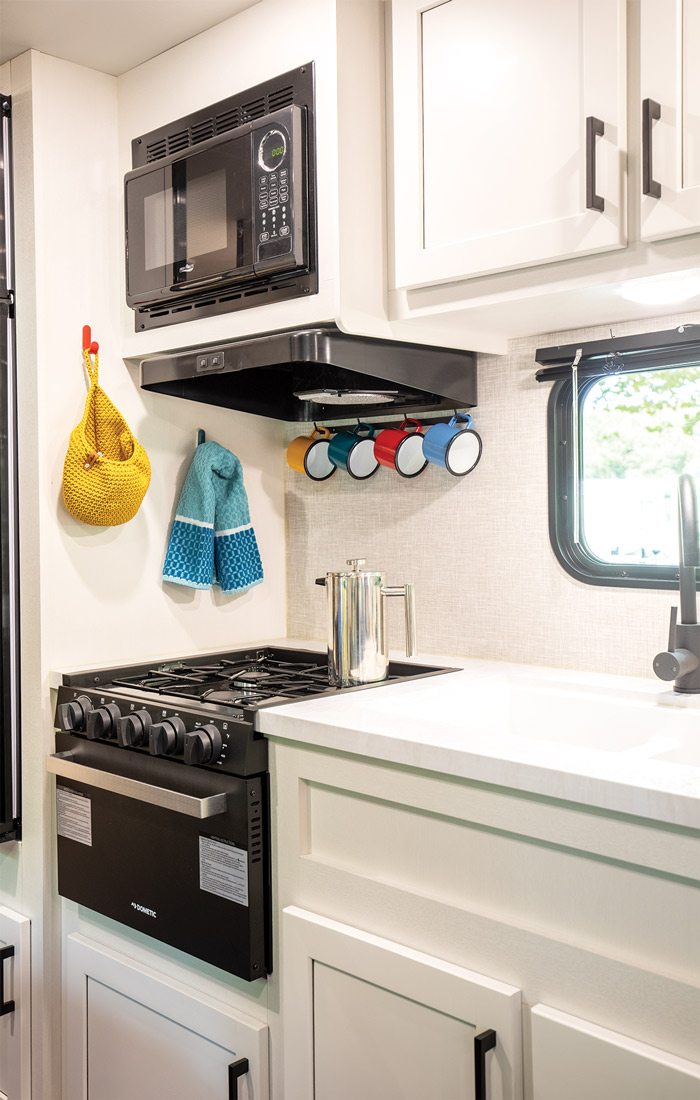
x: 662, y: 290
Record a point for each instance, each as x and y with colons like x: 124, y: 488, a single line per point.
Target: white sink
x: 642, y: 724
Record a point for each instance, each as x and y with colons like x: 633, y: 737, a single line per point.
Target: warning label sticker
x: 74, y: 815
x: 223, y: 869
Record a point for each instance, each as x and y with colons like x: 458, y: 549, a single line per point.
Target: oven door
x: 189, y: 221
x: 176, y: 852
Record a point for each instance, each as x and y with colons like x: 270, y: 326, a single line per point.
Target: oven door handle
x: 63, y: 764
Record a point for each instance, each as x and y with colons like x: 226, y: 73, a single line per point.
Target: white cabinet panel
x: 130, y: 1032
x: 670, y: 81
x: 578, y: 1060
x: 15, y: 1022
x: 490, y: 103
x: 365, y: 1017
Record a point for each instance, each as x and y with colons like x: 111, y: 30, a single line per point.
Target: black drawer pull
x: 651, y: 111
x: 5, y: 1006
x: 482, y: 1043
x: 235, y: 1070
x: 594, y: 128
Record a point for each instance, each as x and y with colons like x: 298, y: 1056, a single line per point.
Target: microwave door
x: 149, y: 242
x: 212, y: 217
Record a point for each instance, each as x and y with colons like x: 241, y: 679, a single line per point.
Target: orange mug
x: 308, y: 454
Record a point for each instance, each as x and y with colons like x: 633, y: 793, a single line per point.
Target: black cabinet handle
x: 5, y: 1006
x: 235, y: 1070
x: 594, y: 128
x: 651, y: 110
x: 482, y: 1043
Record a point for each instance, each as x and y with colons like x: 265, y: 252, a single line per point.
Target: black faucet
x: 681, y: 662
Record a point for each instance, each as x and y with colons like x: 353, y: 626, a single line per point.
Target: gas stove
x: 200, y: 710
x: 179, y: 853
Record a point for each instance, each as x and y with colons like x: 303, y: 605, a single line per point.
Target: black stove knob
x: 203, y: 746
x: 103, y: 722
x: 72, y: 716
x: 134, y: 728
x: 167, y: 737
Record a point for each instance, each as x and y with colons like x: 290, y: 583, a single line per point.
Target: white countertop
x: 603, y: 741
x: 589, y: 738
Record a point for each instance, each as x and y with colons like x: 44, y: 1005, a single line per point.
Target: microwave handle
x: 63, y: 764
x: 228, y: 277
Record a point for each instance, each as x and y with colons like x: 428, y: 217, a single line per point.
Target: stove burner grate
x: 233, y: 683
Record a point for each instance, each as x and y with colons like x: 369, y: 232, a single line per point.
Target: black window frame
x: 576, y: 557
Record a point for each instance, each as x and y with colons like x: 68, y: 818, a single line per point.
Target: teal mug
x: 354, y: 451
x: 454, y: 446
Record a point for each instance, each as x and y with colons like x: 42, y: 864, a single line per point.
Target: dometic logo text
x: 142, y: 909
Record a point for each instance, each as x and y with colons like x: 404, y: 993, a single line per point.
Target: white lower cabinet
x: 365, y: 1017
x: 573, y: 1059
x: 15, y: 1006
x: 131, y: 1032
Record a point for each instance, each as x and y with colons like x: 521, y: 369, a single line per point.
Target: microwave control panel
x: 274, y: 198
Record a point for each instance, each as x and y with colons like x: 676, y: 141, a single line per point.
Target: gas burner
x: 232, y: 699
x: 250, y: 677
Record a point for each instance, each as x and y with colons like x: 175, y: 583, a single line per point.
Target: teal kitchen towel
x: 212, y: 540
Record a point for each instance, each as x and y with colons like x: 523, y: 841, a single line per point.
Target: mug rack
x: 357, y: 448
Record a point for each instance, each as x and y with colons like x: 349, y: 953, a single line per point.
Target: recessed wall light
x: 662, y: 290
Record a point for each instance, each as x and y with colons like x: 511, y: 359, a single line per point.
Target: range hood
x: 317, y: 373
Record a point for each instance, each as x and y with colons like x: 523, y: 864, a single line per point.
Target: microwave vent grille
x: 255, y: 108
x: 203, y: 128
x: 156, y: 150
x: 203, y: 131
x: 283, y: 97
x: 227, y: 120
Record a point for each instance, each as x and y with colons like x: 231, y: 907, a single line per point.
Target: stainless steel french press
x: 358, y: 644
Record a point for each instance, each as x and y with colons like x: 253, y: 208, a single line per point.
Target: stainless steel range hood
x: 317, y: 373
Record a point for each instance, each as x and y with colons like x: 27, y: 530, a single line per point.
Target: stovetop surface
x: 245, y: 678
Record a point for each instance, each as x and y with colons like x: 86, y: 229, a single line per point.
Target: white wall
x: 104, y: 601
x: 477, y: 548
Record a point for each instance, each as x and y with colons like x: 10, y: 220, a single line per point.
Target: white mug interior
x: 362, y: 462
x: 317, y: 464
x: 409, y: 459
x: 463, y: 452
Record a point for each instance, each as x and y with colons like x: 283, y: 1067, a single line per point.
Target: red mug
x: 401, y: 449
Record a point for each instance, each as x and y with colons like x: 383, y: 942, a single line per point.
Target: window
x: 637, y: 431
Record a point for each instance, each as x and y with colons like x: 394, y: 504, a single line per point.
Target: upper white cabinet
x: 670, y: 91
x: 508, y: 140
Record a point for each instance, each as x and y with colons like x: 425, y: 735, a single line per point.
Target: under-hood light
x: 347, y: 397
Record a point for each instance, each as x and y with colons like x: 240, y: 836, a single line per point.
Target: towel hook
x: 201, y: 436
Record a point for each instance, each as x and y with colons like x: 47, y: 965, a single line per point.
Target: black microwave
x: 222, y: 221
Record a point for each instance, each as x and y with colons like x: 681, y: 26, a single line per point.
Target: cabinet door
x: 670, y: 84
x: 490, y: 139
x: 578, y: 1060
x: 365, y: 1017
x: 15, y: 1010
x: 129, y: 1032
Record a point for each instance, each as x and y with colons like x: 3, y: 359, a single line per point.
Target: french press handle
x: 409, y: 595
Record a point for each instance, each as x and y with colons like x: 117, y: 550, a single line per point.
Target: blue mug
x: 454, y: 446
x: 354, y: 452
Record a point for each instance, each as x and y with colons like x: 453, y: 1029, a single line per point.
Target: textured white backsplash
x: 477, y: 548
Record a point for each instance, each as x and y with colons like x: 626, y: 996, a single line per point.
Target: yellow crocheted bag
x: 106, y: 472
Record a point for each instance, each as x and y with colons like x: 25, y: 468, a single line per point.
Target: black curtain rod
x: 652, y: 350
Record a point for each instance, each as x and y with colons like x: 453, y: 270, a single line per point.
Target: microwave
x: 211, y: 227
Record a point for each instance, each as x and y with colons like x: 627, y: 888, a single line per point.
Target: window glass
x: 639, y: 431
